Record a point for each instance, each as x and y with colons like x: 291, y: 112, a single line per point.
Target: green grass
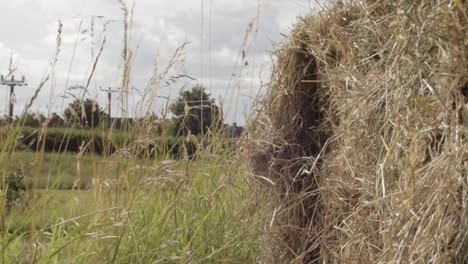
x: 97, y: 141
x: 49, y: 207
x: 56, y: 170
x: 68, y: 170
x: 152, y: 212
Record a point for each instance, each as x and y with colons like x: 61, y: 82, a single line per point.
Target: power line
x: 109, y: 92
x: 12, y: 83
x: 201, y: 60
x: 71, y: 64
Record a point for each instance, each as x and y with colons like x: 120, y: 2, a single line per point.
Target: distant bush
x: 85, y: 113
x: 101, y: 142
x: 15, y: 188
x: 195, y: 112
x: 31, y: 119
x: 60, y: 140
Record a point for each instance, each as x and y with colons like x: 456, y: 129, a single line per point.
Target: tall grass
x: 163, y: 213
x: 128, y: 205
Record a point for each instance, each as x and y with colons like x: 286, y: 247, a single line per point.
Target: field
x: 146, y: 192
x: 130, y: 211
x: 58, y: 170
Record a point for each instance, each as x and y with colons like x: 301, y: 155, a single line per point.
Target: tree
x: 195, y: 112
x: 86, y: 114
x: 33, y: 119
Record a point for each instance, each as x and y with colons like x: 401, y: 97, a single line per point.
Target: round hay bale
x: 362, y: 139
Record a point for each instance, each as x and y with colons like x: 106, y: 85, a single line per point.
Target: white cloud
x: 159, y: 26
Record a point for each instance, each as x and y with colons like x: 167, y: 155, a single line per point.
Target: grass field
x: 129, y: 207
x: 120, y: 197
x: 135, y: 212
x: 57, y: 170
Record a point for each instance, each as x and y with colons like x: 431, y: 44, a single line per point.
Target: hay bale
x: 363, y: 137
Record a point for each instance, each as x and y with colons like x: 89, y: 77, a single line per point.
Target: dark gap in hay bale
x: 296, y: 115
x: 464, y: 92
x: 435, y: 146
x: 462, y: 107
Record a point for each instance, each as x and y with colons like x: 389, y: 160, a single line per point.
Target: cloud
x: 214, y: 55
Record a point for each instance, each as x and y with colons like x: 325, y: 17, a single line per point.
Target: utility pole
x: 109, y: 92
x: 12, y: 83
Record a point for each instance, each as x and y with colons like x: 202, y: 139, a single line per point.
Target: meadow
x: 148, y: 193
x: 97, y: 209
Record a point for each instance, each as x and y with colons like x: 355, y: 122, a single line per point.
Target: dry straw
x: 363, y: 138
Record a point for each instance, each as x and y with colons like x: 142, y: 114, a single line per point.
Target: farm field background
x: 130, y: 211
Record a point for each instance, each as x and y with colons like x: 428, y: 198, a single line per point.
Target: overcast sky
x: 215, y: 30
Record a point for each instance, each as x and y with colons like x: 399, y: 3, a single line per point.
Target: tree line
x: 194, y: 112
